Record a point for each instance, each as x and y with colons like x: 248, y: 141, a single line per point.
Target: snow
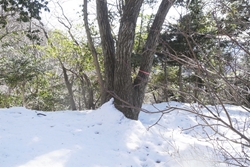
x: 105, y: 138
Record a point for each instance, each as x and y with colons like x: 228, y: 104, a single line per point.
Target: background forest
x: 203, y: 56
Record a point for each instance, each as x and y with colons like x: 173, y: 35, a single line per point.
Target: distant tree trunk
x: 165, y: 81
x: 196, y: 88
x: 69, y: 87
x: 23, y: 94
x: 89, y: 100
x: 180, y: 82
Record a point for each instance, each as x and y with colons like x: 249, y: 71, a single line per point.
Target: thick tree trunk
x: 108, y: 47
x: 128, y: 95
x: 125, y: 44
x: 94, y: 53
x: 149, y: 49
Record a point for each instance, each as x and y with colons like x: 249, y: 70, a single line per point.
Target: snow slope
x: 101, y: 138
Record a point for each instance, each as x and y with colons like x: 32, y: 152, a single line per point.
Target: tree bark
x: 149, y: 49
x: 94, y: 53
x: 125, y: 44
x: 108, y: 46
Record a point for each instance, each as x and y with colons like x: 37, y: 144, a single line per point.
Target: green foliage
x: 47, y: 96
x: 18, y: 70
x: 236, y: 16
x: 68, y: 51
x: 18, y: 17
x: 76, y: 58
x: 142, y: 31
x: 194, y: 38
x: 171, y: 77
x: 27, y: 9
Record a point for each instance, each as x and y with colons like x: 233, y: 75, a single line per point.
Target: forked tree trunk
x: 128, y: 95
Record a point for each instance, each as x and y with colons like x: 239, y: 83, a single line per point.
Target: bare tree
x: 219, y: 65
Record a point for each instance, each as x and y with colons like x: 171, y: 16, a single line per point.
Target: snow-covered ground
x: 104, y: 138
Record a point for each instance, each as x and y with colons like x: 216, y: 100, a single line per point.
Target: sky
x: 72, y: 8
x: 105, y: 138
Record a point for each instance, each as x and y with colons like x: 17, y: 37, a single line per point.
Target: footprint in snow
x: 158, y: 161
